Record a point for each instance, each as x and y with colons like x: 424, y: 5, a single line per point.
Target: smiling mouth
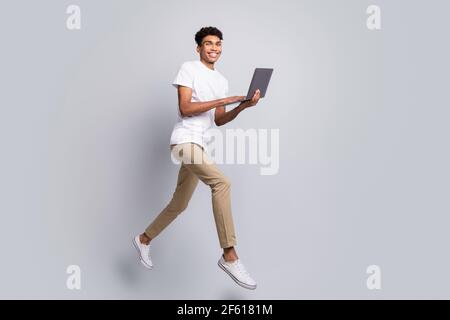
x: 213, y: 54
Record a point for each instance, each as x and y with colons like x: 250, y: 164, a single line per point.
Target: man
x: 202, y: 97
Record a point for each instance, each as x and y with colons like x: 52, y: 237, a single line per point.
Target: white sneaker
x: 143, y: 252
x: 238, y: 273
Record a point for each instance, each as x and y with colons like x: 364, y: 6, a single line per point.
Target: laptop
x: 260, y: 80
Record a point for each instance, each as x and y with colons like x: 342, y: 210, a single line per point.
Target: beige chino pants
x: 195, y: 166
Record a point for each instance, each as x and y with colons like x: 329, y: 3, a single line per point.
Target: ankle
x: 230, y: 255
x: 144, y: 239
x: 229, y: 259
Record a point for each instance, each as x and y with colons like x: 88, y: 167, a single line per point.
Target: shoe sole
x: 136, y: 246
x: 244, y: 285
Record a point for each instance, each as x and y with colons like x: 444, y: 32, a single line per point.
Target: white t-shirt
x: 206, y: 85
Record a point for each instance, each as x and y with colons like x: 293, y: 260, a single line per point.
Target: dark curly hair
x: 207, y: 31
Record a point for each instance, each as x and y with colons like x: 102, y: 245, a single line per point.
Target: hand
x: 233, y: 99
x: 255, y: 99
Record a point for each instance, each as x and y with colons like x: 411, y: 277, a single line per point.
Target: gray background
x: 86, y: 118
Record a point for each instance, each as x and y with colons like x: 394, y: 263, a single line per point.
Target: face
x: 210, y: 49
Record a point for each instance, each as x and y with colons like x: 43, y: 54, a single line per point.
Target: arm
x: 188, y: 108
x: 222, y: 117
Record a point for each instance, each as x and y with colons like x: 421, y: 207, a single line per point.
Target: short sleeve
x: 184, y: 77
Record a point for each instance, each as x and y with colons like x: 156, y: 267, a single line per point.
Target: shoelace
x: 242, y: 269
x: 146, y: 250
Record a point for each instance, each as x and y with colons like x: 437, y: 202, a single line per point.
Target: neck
x: 207, y: 64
